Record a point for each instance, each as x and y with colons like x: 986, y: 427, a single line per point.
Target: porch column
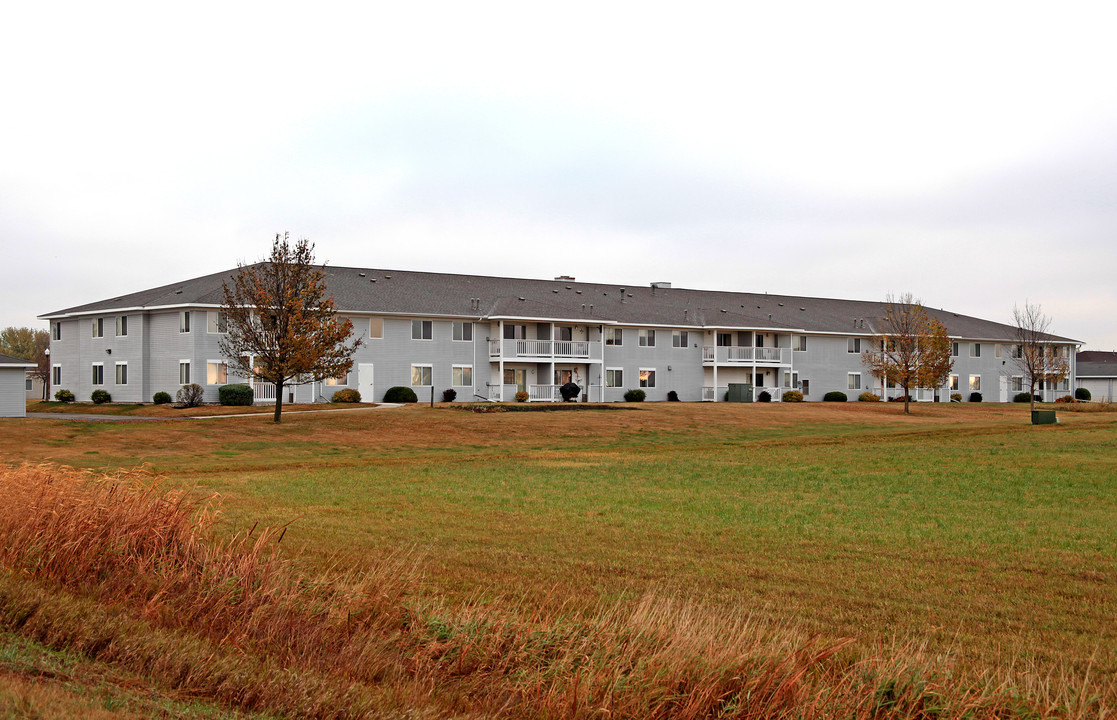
x: 500, y: 358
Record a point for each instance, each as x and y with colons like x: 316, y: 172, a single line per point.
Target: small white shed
x: 13, y: 386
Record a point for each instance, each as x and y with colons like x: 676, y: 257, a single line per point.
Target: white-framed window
x: 515, y: 332
x: 953, y: 382
x: 647, y: 337
x: 853, y: 345
x: 421, y: 375
x: 217, y: 372
x: 614, y: 336
x: 975, y: 350
x: 954, y: 351
x: 975, y: 383
x: 57, y: 331
x: 647, y: 377
x: 1017, y: 351
x: 1017, y: 383
x: 98, y: 326
x: 421, y: 330
x: 28, y: 384
x: 854, y: 381
x: 183, y: 372
x: 680, y: 338
x: 725, y: 339
x: 98, y: 373
x: 461, y: 376
x: 564, y: 333
x: 215, y: 322
x: 56, y: 375
x: 376, y: 328
x: 799, y: 343
x: 342, y: 379
x: 463, y: 332
x: 121, y: 325
x: 614, y: 377
x: 122, y: 373
x: 184, y: 321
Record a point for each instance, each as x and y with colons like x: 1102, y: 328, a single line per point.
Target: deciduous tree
x: 914, y: 348
x: 31, y: 345
x: 1036, y: 355
x: 280, y: 323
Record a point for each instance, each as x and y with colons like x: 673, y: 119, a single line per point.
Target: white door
x: 364, y: 382
x: 1004, y: 389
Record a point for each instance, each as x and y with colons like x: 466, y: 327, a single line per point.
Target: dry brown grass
x: 118, y: 569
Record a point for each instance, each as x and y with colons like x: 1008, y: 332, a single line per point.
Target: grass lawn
x: 962, y: 526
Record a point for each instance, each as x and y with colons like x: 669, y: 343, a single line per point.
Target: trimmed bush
x: 235, y: 394
x: 956, y: 397
x: 522, y: 396
x: 190, y: 395
x: 400, y: 394
x: 449, y: 395
x: 834, y: 396
x: 635, y: 395
x: 1082, y: 394
x: 868, y: 397
x: 975, y: 397
x: 161, y: 398
x: 64, y: 396
x: 793, y: 396
x: 1065, y: 399
x: 1021, y: 398
x: 346, y: 395
x: 764, y: 396
x: 672, y: 396
x: 100, y: 396
x: 897, y: 398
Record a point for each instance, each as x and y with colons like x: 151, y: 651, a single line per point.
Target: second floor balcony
x: 560, y: 349
x: 745, y: 355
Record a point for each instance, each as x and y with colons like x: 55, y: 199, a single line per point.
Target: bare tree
x: 281, y: 325
x: 1036, y: 355
x: 914, y: 348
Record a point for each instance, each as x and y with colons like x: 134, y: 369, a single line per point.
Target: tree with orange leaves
x: 280, y: 325
x: 914, y: 348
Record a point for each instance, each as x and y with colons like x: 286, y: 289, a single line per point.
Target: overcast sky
x: 966, y: 153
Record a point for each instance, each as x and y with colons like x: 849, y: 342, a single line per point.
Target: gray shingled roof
x: 1096, y: 369
x: 443, y: 294
x: 9, y: 360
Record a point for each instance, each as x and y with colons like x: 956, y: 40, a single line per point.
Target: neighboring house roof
x: 9, y: 361
x: 1096, y: 369
x: 1102, y: 356
x: 397, y: 292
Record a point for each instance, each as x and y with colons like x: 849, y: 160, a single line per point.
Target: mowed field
x: 960, y: 528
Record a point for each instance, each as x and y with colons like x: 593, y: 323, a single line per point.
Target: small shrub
x: 956, y: 397
x: 190, y: 395
x: 672, y: 396
x: 161, y: 398
x: 975, y: 397
x: 449, y: 395
x: 764, y: 396
x: 897, y: 398
x: 1082, y: 394
x: 1021, y: 398
x: 868, y: 397
x: 346, y: 395
x: 64, y: 395
x: 834, y: 396
x: 235, y: 394
x: 400, y: 394
x: 100, y: 396
x: 793, y: 396
x: 635, y: 395
x: 1065, y: 399
x: 522, y: 396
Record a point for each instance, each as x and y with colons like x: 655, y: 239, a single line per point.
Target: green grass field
x: 961, y: 527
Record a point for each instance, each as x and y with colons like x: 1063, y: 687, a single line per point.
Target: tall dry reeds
x: 117, y: 568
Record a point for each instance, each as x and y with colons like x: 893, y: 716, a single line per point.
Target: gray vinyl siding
x: 13, y: 393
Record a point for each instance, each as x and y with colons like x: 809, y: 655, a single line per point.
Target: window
x: 1017, y: 383
x: 854, y: 381
x: 647, y: 377
x: 342, y: 379
x: 953, y: 382
x: 515, y: 332
x: 122, y: 326
x: 421, y: 330
x: 725, y: 339
x: 975, y: 350
x: 461, y: 376
x: 463, y: 332
x: 122, y: 373
x: 997, y: 350
x: 28, y: 384
x: 215, y: 322
x: 975, y: 383
x: 647, y: 337
x: 760, y: 340
x: 564, y: 333
x: 98, y: 374
x: 799, y: 343
x: 183, y: 372
x: 376, y: 328
x: 954, y: 351
x: 56, y: 375
x: 680, y: 338
x: 184, y: 321
x: 421, y: 374
x: 1017, y: 351
x: 98, y: 327
x: 614, y: 377
x: 613, y: 336
x: 853, y: 345
x: 217, y: 372
x: 58, y: 331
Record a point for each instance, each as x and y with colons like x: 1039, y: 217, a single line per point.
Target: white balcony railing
x: 263, y: 391
x: 708, y: 394
x: 540, y: 348
x: 745, y: 354
x: 740, y: 354
x: 545, y: 393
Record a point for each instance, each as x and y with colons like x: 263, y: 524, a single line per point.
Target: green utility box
x: 1044, y: 417
x: 740, y: 392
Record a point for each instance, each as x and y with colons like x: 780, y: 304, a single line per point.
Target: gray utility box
x: 1044, y: 417
x: 740, y: 392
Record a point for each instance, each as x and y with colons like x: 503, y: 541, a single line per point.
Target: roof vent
x: 803, y: 309
x: 178, y: 292
x: 769, y: 316
x: 724, y: 310
x: 565, y: 277
x: 372, y: 279
x: 567, y: 287
x: 579, y: 292
x: 361, y: 274
x: 554, y: 291
x: 387, y: 277
x: 780, y: 304
x: 661, y: 285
